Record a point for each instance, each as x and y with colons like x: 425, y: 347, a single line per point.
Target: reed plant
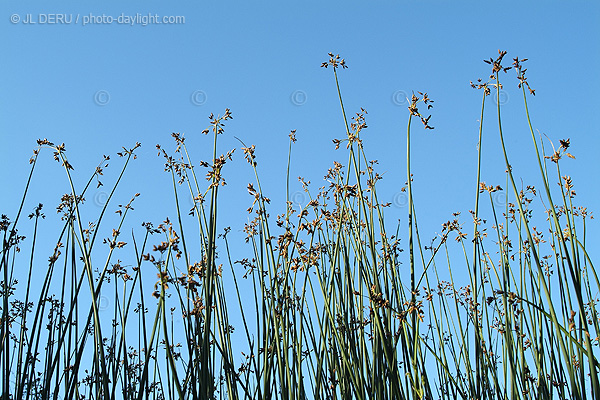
x: 325, y: 304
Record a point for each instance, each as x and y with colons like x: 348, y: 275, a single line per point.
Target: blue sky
x: 102, y: 86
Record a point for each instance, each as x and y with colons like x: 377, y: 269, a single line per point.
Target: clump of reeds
x: 327, y: 305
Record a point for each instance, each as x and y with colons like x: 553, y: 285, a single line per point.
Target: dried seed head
x: 334, y: 61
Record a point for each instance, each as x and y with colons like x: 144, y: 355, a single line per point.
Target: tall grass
x: 325, y: 305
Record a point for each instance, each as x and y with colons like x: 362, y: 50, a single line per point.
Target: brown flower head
x: 335, y: 62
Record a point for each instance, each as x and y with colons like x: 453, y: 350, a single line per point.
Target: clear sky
x: 99, y: 86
